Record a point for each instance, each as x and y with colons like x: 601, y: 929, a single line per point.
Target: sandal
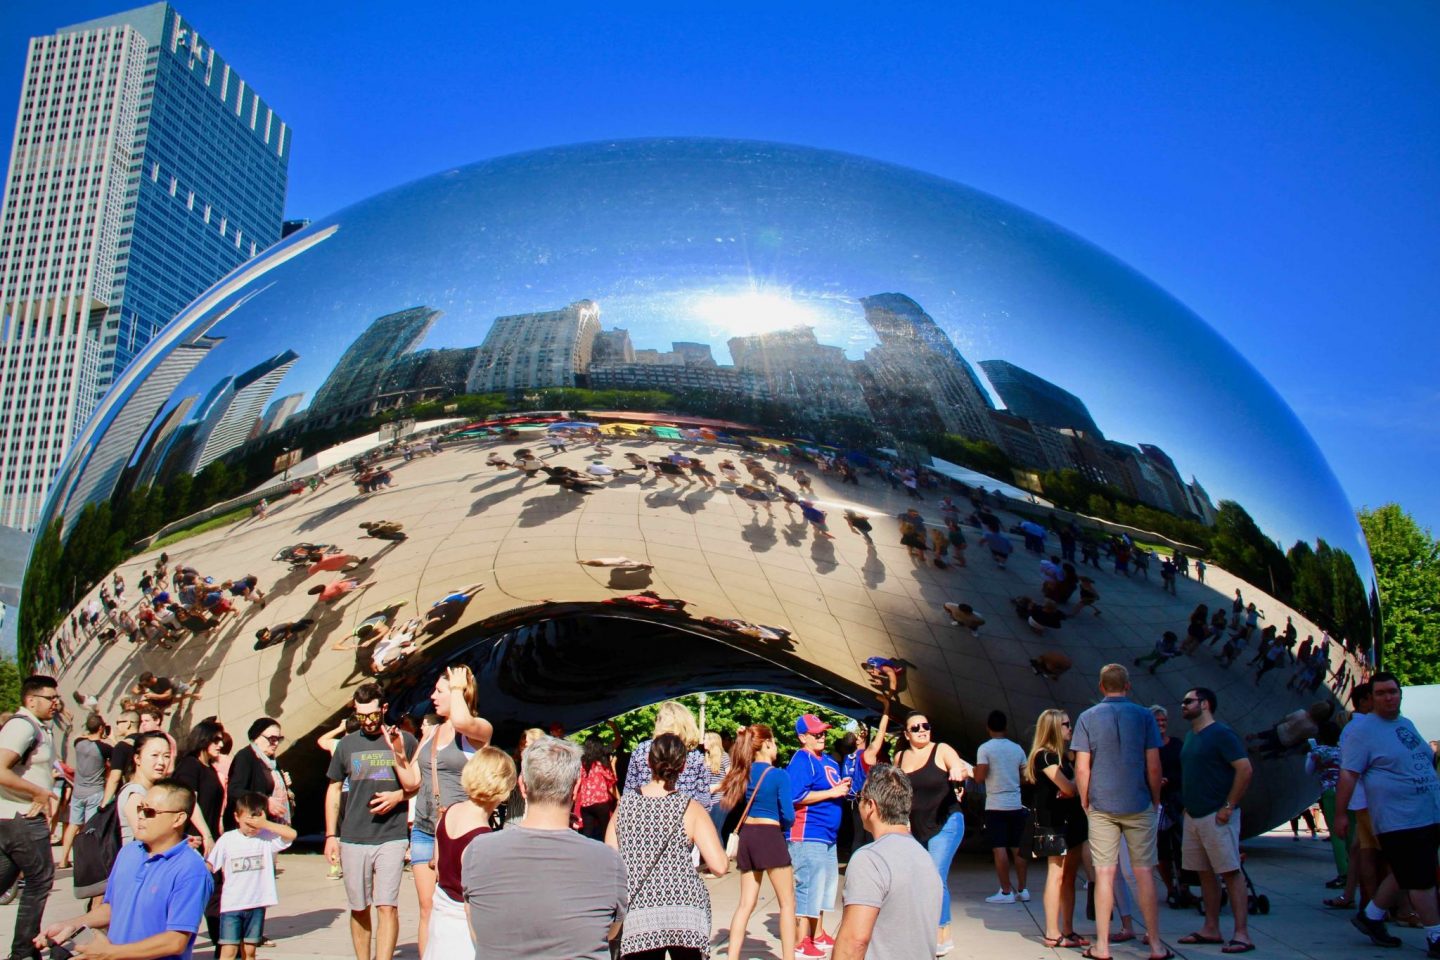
x: 1237, y: 946
x: 1054, y: 943
x: 1093, y: 956
x: 1073, y: 941
x: 1122, y: 938
x: 1191, y: 938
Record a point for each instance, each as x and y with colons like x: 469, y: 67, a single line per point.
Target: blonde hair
x: 1049, y: 737
x: 674, y: 717
x: 714, y: 751
x: 532, y: 736
x: 1114, y: 678
x: 488, y: 777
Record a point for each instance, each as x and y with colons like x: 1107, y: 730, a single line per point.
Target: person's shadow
x: 760, y: 536
x: 872, y: 570
x: 822, y: 554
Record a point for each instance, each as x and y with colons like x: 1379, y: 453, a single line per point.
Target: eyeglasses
x: 1064, y: 723
x: 273, y: 739
x: 52, y: 697
x: 150, y: 813
x: 917, y: 727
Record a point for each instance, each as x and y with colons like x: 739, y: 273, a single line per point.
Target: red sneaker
x: 807, y: 948
x: 825, y: 942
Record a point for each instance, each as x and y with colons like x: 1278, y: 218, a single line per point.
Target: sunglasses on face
x: 150, y: 813
x: 1064, y: 723
x: 274, y: 739
x: 917, y: 727
x: 1189, y: 700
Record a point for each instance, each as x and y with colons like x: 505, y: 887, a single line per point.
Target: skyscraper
x: 1035, y: 398
x: 231, y: 414
x: 812, y: 378
x: 358, y: 373
x: 531, y: 350
x: 918, y: 364
x: 279, y: 411
x: 143, y: 170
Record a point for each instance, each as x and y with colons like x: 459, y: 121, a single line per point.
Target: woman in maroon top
x: 488, y: 778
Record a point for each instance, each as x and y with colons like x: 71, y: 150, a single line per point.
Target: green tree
x: 9, y: 684
x: 1407, y: 568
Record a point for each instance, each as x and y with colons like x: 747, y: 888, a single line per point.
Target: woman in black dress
x: 1058, y: 813
x: 196, y: 768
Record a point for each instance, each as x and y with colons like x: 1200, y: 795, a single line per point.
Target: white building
x: 535, y: 350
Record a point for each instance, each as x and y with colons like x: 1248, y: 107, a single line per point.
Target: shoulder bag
x: 732, y: 843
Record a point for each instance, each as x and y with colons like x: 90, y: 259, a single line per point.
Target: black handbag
x: 1045, y: 841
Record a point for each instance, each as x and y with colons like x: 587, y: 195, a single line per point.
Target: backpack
x: 96, y: 846
x: 39, y: 736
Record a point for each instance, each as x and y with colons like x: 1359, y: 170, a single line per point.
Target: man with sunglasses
x: 27, y: 800
x: 369, y: 842
x: 819, y: 793
x: 157, y: 890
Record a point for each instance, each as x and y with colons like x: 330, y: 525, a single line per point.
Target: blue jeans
x: 942, y: 849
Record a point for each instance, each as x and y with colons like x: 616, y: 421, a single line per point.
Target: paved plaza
x: 310, y: 921
x: 845, y: 600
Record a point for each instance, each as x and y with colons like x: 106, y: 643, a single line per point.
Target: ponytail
x: 742, y: 757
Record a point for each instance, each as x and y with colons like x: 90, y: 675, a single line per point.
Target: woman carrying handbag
x: 654, y: 829
x: 1061, y: 829
x: 769, y: 811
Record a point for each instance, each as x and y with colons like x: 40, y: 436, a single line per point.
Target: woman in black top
x: 253, y: 770
x: 937, y: 774
x: 196, y: 769
x: 1058, y: 811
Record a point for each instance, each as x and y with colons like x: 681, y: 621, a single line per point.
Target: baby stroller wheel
x: 1263, y: 903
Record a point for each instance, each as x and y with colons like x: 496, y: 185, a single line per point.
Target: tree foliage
x: 724, y: 713
x: 9, y: 684
x: 1407, y: 568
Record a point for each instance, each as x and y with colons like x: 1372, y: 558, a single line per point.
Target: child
x: 247, y: 858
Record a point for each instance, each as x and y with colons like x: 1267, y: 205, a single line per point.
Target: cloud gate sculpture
x: 650, y: 417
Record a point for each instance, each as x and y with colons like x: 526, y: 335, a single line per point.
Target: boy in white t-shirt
x: 247, y: 858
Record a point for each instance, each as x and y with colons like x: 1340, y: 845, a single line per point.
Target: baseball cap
x: 809, y: 723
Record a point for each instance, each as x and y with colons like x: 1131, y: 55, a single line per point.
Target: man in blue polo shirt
x: 156, y: 894
x: 819, y: 793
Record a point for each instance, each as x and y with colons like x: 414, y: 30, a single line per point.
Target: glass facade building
x: 144, y: 168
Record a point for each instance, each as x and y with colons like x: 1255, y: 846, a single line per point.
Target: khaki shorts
x: 373, y: 872
x: 1210, y: 846
x: 1363, y: 830
x: 1138, y: 830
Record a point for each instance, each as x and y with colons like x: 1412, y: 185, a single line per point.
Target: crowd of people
x: 566, y: 849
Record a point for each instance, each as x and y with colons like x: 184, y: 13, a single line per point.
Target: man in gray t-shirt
x: 538, y: 889
x: 892, y: 890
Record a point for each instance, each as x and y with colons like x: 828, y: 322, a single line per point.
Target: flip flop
x: 1093, y: 956
x: 1237, y: 946
x: 1191, y: 938
x: 1167, y: 955
x: 1122, y: 938
x: 1073, y: 941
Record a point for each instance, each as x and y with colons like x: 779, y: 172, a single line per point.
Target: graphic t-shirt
x: 1399, y: 773
x: 370, y: 767
x: 249, y: 867
x: 817, y: 822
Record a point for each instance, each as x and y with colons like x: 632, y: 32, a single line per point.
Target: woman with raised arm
x: 441, y: 760
x: 1060, y: 825
x: 768, y: 811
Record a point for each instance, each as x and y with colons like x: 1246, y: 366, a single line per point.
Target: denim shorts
x: 83, y: 808
x: 422, y: 846
x: 817, y: 873
x: 242, y: 926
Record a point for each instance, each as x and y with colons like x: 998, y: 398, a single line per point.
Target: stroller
x: 1255, y: 901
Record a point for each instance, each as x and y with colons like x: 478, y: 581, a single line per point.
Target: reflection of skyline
x: 638, y: 226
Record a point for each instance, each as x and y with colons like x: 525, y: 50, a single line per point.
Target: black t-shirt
x: 1170, y: 768
x: 122, y: 755
x: 161, y: 686
x: 370, y: 767
x: 209, y: 792
x: 1051, y: 809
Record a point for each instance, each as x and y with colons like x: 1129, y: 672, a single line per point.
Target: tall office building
x: 231, y: 414
x: 1035, y: 398
x: 279, y: 411
x: 533, y: 350
x: 143, y: 169
x: 357, y: 375
x: 916, y: 361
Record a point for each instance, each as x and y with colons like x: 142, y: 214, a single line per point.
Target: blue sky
x: 1272, y: 166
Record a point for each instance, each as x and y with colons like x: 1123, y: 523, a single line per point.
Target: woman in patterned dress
x: 654, y: 829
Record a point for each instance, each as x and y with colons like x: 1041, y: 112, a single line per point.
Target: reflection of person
x: 964, y: 615
x: 383, y: 529
x: 280, y: 633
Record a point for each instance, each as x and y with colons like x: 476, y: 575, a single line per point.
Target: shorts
x: 242, y: 926
x: 817, y: 874
x: 422, y: 846
x: 1364, y: 831
x: 1004, y: 827
x: 1211, y: 846
x: 1138, y: 830
x: 1412, y: 855
x: 373, y: 872
x: 762, y: 847
x: 83, y: 808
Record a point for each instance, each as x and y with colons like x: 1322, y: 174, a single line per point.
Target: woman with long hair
x: 442, y: 758
x: 1058, y: 813
x: 762, y: 791
x: 654, y: 829
x: 674, y: 717
x: 150, y: 762
x: 487, y: 778
x: 717, y: 763
x: 938, y: 775
x: 595, y: 800
x: 198, y: 769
